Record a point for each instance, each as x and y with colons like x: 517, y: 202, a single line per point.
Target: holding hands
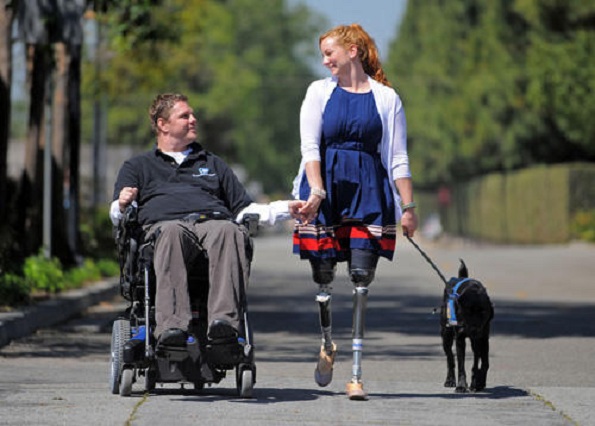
x: 294, y: 208
x: 309, y: 211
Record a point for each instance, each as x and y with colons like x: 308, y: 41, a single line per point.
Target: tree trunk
x: 6, y: 17
x: 74, y: 138
x: 31, y: 188
x: 60, y: 155
x: 65, y: 153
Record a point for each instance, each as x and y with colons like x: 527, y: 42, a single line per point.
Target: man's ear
x: 162, y: 124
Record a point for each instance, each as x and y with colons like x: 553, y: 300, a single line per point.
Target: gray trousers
x: 229, y: 268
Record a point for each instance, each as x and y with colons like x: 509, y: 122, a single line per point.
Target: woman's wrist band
x: 408, y: 206
x: 319, y: 192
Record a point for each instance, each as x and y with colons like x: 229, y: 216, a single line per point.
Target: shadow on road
x: 396, y: 310
x: 283, y: 395
x: 498, y: 392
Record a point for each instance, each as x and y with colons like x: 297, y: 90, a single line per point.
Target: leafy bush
x: 44, y: 274
x: 108, y: 268
x: 79, y: 276
x: 14, y: 290
x: 583, y: 225
x: 90, y: 271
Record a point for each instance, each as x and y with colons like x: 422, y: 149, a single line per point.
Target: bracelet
x: 319, y: 192
x: 408, y: 206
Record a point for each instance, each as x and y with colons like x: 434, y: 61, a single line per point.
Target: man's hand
x: 127, y: 196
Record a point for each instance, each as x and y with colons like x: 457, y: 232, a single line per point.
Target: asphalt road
x: 542, y: 350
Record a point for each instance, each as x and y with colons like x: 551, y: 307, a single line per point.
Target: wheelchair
x: 135, y: 354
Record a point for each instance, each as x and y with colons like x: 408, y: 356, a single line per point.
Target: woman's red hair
x: 367, y: 51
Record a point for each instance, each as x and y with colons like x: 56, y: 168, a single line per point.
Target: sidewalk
x: 542, y: 346
x: 23, y: 322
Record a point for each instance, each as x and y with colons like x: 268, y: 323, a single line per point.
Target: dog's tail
x: 463, y: 272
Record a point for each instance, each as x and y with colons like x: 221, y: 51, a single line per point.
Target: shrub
x: 14, y: 290
x: 79, y: 276
x: 44, y: 274
x: 583, y: 225
x: 90, y: 271
x: 108, y: 268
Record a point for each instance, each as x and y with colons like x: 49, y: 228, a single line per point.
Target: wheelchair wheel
x: 126, y: 382
x: 120, y: 334
x: 245, y: 381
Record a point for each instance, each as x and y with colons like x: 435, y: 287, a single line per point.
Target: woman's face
x: 334, y: 56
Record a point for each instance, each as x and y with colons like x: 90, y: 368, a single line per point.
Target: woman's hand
x: 310, y: 210
x: 294, y: 208
x: 409, y: 222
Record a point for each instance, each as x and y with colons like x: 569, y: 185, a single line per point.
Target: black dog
x: 466, y: 312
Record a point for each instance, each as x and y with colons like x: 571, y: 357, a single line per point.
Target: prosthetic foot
x: 323, y: 374
x: 355, y: 391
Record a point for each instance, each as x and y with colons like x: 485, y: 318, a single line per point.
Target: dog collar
x: 450, y: 306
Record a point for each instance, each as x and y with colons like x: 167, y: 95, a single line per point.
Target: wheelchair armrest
x: 250, y: 222
x: 130, y: 215
x: 124, y: 228
x: 127, y: 234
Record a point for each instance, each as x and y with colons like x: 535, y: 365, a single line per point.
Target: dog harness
x: 450, y: 305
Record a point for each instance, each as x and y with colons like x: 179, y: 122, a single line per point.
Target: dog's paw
x: 449, y: 382
x: 477, y: 386
x: 478, y: 381
x: 461, y: 389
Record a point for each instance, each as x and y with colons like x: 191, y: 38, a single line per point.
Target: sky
x: 380, y: 18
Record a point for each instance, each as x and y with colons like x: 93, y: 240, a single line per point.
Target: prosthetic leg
x: 323, y: 274
x: 360, y: 278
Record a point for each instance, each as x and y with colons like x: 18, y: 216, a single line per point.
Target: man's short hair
x: 162, y: 106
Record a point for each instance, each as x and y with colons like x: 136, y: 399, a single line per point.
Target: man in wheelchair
x: 189, y: 201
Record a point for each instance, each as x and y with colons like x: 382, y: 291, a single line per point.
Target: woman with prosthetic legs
x: 355, y: 177
x: 362, y: 269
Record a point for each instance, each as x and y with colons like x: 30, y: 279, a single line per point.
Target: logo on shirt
x: 203, y: 171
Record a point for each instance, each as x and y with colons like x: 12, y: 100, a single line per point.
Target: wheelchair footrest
x: 178, y: 353
x: 172, y: 353
x: 225, y: 355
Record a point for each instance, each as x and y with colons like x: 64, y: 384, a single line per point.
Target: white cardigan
x: 393, y: 147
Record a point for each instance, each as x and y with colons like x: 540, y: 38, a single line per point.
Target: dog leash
x: 425, y: 256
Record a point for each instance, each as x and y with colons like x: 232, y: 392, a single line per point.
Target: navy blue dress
x: 359, y: 211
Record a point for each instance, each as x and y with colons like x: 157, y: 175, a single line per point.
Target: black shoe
x: 222, y: 330
x: 173, y: 337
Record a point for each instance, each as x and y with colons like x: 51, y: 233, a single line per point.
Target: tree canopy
x: 243, y: 64
x: 495, y: 85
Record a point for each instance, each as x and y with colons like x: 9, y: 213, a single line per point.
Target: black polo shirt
x: 203, y: 183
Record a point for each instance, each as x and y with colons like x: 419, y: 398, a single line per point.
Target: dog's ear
x: 463, y: 273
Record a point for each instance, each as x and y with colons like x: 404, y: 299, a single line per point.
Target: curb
x: 21, y: 323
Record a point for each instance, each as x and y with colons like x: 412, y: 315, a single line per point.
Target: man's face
x: 181, y: 124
